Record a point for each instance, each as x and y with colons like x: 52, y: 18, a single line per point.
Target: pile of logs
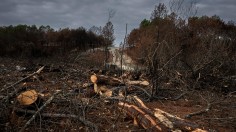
x: 101, y: 81
x: 151, y: 120
x: 156, y: 120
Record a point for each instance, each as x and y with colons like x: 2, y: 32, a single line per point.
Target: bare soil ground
x: 71, y: 75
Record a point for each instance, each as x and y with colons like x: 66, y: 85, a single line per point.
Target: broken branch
x: 37, y: 112
x: 85, y: 122
x: 37, y: 72
x: 145, y: 120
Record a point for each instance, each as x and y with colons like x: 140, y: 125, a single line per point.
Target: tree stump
x: 28, y: 97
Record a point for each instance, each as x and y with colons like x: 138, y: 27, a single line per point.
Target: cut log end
x: 93, y: 79
x: 28, y: 97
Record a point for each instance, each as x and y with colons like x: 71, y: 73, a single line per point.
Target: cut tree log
x: 161, y: 118
x: 39, y: 110
x: 102, y: 79
x: 176, y: 122
x: 28, y: 97
x: 93, y: 79
x: 169, y: 120
x: 18, y: 90
x: 107, y: 80
x: 142, y: 118
x: 142, y: 83
x: 165, y: 120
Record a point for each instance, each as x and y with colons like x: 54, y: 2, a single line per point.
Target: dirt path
x: 127, y: 62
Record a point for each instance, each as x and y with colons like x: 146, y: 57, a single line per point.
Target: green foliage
x: 144, y: 23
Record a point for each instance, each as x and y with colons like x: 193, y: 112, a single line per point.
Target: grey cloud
x: 86, y: 13
x: 224, y: 8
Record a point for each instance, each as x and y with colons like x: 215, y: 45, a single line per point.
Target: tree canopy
x: 24, y: 40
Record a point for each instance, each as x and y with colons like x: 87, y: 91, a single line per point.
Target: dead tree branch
x: 39, y: 110
x: 18, y: 90
x: 145, y: 120
x: 85, y: 122
x: 165, y: 121
x: 199, y: 112
x: 37, y: 72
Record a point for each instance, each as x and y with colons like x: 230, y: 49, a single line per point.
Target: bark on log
x: 160, y: 117
x: 102, y: 79
x: 176, y: 122
x: 169, y: 120
x: 142, y: 83
x: 145, y: 120
x: 165, y: 120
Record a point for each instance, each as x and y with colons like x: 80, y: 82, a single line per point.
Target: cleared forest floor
x: 211, y: 111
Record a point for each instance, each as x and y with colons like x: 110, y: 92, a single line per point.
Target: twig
x: 37, y: 72
x: 199, y: 112
x: 18, y: 90
x: 37, y: 112
x: 145, y: 91
x: 178, y: 97
x: 172, y: 58
x: 226, y: 118
x: 85, y: 122
x: 172, y: 99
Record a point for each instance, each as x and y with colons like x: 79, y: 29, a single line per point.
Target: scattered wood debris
x: 88, y: 103
x: 157, y: 120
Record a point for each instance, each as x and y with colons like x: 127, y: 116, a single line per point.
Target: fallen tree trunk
x: 142, y: 83
x: 174, y: 121
x: 157, y: 119
x: 99, y: 82
x: 102, y: 79
x: 53, y: 115
x: 169, y: 120
x: 145, y: 120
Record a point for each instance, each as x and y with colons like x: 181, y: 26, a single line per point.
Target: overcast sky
x: 86, y: 13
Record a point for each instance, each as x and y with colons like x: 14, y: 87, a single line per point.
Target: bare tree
x: 96, y: 30
x: 111, y: 14
x: 108, y: 33
x: 122, y: 46
x: 160, y: 11
x: 183, y: 8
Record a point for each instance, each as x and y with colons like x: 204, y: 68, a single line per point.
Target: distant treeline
x: 33, y: 41
x: 205, y: 44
